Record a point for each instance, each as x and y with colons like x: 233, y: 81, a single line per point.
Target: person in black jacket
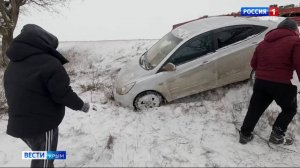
x: 37, y: 89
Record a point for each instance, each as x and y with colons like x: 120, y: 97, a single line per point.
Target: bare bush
x: 94, y: 86
x: 75, y: 58
x: 94, y: 77
x: 110, y: 142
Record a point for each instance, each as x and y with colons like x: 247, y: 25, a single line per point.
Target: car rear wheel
x: 148, y: 99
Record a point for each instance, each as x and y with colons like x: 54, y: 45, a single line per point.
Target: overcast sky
x: 90, y: 20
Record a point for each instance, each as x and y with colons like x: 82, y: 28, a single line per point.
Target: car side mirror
x: 169, y: 67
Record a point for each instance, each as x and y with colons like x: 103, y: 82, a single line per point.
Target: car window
x: 160, y: 50
x: 192, y: 49
x: 231, y: 35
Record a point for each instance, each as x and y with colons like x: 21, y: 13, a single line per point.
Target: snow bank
x: 199, y: 130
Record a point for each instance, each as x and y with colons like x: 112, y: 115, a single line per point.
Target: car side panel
x: 192, y: 78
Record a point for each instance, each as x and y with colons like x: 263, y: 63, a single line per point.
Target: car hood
x: 131, y: 72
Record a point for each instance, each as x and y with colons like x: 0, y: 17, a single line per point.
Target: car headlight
x: 125, y: 89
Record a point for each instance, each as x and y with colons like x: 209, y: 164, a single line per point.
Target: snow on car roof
x: 202, y: 25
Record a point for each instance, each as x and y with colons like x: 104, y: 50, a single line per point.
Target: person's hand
x: 86, y: 107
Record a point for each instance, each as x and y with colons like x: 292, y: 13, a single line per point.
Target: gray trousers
x: 44, y: 142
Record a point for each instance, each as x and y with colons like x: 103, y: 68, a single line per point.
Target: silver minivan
x: 195, y: 57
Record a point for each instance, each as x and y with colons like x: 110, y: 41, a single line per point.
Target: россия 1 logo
x: 259, y: 11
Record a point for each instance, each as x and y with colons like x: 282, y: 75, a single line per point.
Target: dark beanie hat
x: 289, y: 24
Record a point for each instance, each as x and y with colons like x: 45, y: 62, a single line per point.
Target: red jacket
x: 277, y: 56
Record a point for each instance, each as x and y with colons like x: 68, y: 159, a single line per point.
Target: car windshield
x: 159, y: 51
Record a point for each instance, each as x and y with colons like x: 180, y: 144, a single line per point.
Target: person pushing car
x: 274, y: 61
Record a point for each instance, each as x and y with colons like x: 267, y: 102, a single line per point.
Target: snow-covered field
x: 199, y: 130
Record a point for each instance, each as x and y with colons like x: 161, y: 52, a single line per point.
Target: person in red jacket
x: 274, y: 61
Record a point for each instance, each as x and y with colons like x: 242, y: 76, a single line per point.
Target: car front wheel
x: 148, y: 99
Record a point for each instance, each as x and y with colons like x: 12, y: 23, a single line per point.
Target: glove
x: 86, y: 107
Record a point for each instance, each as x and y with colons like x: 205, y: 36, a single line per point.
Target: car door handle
x: 204, y: 62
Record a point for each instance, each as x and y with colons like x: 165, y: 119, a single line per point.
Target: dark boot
x: 278, y: 137
x: 245, y: 139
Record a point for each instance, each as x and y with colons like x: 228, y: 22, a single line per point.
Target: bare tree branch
x: 46, y: 4
x: 4, y: 13
x: 15, y: 10
x: 9, y: 14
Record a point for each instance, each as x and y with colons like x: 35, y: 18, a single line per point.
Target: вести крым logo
x: 44, y: 155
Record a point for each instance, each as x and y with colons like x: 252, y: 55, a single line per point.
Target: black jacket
x: 37, y: 86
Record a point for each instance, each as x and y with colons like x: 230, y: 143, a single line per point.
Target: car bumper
x: 125, y: 100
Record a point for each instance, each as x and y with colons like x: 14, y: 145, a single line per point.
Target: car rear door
x: 235, y: 48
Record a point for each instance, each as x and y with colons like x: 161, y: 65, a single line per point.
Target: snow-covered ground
x: 199, y: 130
